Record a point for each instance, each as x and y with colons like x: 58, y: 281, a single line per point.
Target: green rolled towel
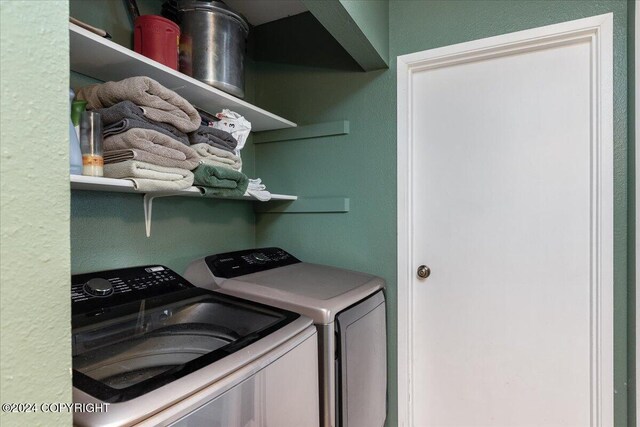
x: 220, y: 181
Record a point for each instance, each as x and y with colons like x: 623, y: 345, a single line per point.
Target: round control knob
x: 98, y: 287
x: 261, y: 258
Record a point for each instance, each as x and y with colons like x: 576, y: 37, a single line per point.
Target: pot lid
x: 212, y: 6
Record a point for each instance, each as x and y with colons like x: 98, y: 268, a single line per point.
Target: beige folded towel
x: 210, y: 155
x: 147, y: 145
x: 157, y: 102
x: 148, y: 177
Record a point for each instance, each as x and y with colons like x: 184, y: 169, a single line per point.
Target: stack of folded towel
x: 145, y: 129
x: 159, y: 104
x: 219, y: 171
x: 126, y: 115
x: 155, y: 138
x: 210, y: 155
x: 138, y: 151
x: 216, y: 147
x: 214, y: 137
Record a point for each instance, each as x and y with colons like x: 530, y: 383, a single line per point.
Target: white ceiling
x: 261, y: 11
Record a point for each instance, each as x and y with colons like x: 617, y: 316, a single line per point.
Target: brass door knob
x: 423, y: 271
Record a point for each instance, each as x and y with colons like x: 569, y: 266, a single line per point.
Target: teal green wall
x: 107, y: 229
x: 362, y: 165
x: 631, y: 210
x: 360, y: 27
x: 35, y: 308
x: 372, y: 17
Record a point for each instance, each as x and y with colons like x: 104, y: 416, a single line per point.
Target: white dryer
x: 347, y: 307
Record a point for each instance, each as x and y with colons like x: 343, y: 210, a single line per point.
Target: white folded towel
x: 211, y: 155
x: 258, y: 190
x: 149, y: 177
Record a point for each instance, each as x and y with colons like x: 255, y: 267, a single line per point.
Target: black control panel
x: 234, y: 264
x: 111, y: 288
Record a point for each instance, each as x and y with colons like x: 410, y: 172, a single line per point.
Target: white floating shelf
x: 105, y: 60
x: 81, y: 182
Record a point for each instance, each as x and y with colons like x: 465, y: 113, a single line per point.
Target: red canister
x: 157, y: 38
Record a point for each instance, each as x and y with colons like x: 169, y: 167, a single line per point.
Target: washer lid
x: 316, y: 291
x: 132, y: 349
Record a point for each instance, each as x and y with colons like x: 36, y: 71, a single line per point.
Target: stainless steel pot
x: 212, y: 44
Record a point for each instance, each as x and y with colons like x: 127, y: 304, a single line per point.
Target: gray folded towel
x: 158, y: 103
x: 148, y: 177
x: 217, y: 157
x: 126, y: 115
x: 152, y: 147
x: 214, y: 137
x: 116, y: 156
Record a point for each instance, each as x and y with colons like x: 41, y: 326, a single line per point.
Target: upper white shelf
x: 105, y: 60
x: 81, y: 182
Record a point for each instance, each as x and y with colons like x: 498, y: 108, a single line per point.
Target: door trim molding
x: 636, y: 146
x: 598, y: 32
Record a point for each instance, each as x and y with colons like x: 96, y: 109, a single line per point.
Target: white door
x: 505, y: 193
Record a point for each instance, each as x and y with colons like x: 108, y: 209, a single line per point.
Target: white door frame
x: 598, y: 31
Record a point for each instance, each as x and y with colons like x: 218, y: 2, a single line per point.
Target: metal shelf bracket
x: 148, y: 205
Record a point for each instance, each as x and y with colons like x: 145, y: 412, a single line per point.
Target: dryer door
x: 362, y: 364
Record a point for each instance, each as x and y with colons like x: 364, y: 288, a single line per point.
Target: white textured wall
x: 35, y: 354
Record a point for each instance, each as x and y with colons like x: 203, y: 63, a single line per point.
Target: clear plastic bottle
x: 91, y: 144
x: 75, y: 155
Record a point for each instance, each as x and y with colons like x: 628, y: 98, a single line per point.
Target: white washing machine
x: 151, y: 349
x: 347, y: 307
